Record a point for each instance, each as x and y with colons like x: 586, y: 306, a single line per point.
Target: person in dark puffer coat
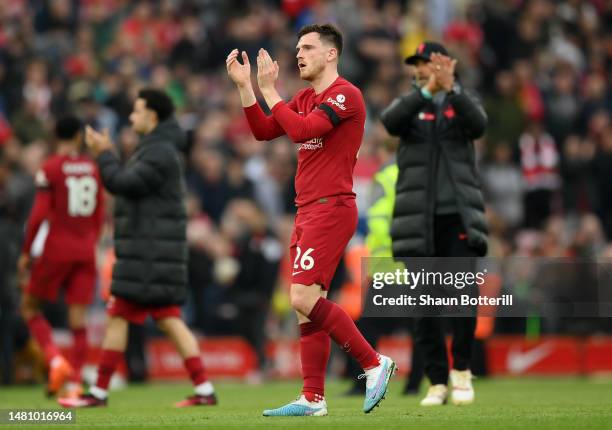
x: 150, y: 275
x: 439, y: 208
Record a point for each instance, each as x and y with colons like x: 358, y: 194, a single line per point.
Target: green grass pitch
x: 501, y: 404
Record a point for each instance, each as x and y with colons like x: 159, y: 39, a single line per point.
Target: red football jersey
x: 70, y: 198
x: 326, y: 163
x: 327, y: 129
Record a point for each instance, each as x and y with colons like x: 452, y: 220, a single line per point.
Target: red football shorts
x: 78, y: 278
x: 320, y: 234
x: 136, y: 313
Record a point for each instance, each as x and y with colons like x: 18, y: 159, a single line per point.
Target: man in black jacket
x: 150, y: 275
x: 439, y: 210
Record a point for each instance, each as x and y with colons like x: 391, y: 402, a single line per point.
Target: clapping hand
x: 97, y: 142
x: 443, y: 69
x: 267, y: 70
x: 239, y: 73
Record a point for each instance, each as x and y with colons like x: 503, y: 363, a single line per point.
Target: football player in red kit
x: 69, y: 198
x: 326, y: 122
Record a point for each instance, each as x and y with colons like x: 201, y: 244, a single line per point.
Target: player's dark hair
x: 327, y: 32
x: 158, y: 101
x: 67, y: 127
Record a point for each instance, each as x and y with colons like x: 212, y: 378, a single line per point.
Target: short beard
x: 311, y: 76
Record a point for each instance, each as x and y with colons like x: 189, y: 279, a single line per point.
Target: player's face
x: 312, y: 56
x: 422, y: 72
x: 141, y: 117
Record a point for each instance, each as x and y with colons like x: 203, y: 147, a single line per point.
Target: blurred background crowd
x: 542, y: 67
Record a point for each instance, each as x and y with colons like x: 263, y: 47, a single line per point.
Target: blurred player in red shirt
x: 326, y: 122
x: 69, y: 199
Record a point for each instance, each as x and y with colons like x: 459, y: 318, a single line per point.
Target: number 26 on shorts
x: 306, y: 262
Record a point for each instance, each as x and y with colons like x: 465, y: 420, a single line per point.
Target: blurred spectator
x: 602, y: 166
x: 530, y: 94
x: 506, y: 116
x: 210, y: 181
x: 257, y: 253
x: 579, y: 194
x: 274, y: 187
x: 562, y: 104
x: 540, y: 163
x: 503, y: 187
x: 205, y: 245
x: 16, y: 193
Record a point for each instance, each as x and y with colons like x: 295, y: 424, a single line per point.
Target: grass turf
x: 501, y: 404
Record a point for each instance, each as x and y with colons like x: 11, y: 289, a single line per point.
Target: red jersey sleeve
x: 342, y: 102
x: 301, y: 128
x: 264, y: 127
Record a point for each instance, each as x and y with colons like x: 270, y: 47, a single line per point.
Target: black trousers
x: 449, y: 237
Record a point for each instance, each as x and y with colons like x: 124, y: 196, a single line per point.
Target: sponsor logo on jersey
x: 339, y: 104
x: 71, y: 168
x: 312, y: 144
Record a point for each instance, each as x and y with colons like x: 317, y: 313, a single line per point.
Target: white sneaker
x: 377, y: 381
x: 300, y: 407
x: 463, y: 392
x: 436, y: 396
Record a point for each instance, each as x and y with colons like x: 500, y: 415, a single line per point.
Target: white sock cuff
x: 204, y: 389
x: 98, y: 392
x: 55, y: 361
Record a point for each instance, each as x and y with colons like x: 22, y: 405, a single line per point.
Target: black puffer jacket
x: 150, y: 218
x: 428, y: 131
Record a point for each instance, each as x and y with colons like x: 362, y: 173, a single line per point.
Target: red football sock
x: 335, y: 321
x: 109, y: 360
x: 79, y: 352
x: 314, y: 353
x: 41, y: 332
x: 196, y: 370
